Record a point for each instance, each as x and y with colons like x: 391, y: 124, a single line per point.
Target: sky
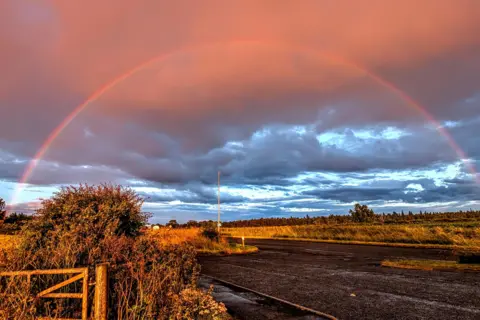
x: 305, y: 107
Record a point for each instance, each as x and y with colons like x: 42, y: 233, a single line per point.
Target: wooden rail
x: 79, y: 274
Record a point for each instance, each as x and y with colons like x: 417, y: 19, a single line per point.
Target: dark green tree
x: 172, y: 224
x: 361, y: 213
x: 192, y: 224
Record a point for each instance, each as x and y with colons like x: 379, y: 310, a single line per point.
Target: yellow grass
x: 193, y: 236
x: 404, y: 235
x: 175, y: 236
x: 202, y: 244
x: 430, y: 265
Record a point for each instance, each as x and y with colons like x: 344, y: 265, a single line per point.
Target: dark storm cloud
x: 192, y: 194
x: 48, y: 173
x: 274, y: 157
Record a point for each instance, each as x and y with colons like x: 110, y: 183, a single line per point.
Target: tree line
x: 359, y: 214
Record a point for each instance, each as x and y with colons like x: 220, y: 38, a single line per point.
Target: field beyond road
x: 452, y: 235
x: 166, y: 236
x: 348, y: 282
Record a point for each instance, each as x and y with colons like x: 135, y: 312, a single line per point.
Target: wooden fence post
x: 101, y: 291
x: 85, y: 295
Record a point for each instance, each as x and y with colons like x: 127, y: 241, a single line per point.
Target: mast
x: 218, y: 220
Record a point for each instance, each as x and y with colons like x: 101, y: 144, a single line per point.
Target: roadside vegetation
x: 429, y: 265
x: 364, y: 226
x: 206, y: 242
x: 86, y: 225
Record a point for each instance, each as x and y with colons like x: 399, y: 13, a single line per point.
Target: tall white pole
x: 218, y: 222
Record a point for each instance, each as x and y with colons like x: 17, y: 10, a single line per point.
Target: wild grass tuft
x: 429, y: 265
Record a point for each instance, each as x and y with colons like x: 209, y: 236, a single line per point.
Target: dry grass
x: 203, y: 245
x: 430, y: 265
x: 174, y: 236
x: 168, y: 236
x: 409, y: 235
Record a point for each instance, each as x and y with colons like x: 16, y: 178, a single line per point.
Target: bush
x: 194, y: 304
x: 211, y: 234
x: 86, y: 225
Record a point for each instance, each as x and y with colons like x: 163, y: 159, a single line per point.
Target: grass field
x: 202, y: 244
x: 193, y: 236
x: 428, y: 235
x: 430, y: 265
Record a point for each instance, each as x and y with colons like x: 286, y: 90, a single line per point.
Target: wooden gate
x: 78, y: 274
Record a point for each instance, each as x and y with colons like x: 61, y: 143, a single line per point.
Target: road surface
x: 347, y: 281
x: 246, y: 305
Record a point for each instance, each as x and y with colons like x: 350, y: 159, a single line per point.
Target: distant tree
x: 210, y: 224
x: 381, y: 218
x: 2, y: 211
x: 192, y: 224
x: 361, y: 213
x: 172, y: 224
x: 17, y: 218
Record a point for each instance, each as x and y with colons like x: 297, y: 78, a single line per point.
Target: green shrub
x: 211, y: 234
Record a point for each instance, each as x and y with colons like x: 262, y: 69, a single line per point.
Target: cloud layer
x: 264, y: 91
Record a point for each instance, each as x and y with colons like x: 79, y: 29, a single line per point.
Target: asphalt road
x: 347, y: 281
x: 246, y: 305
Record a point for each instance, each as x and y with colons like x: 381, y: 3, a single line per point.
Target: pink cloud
x: 55, y: 53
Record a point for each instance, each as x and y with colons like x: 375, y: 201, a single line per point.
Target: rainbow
x: 164, y: 56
